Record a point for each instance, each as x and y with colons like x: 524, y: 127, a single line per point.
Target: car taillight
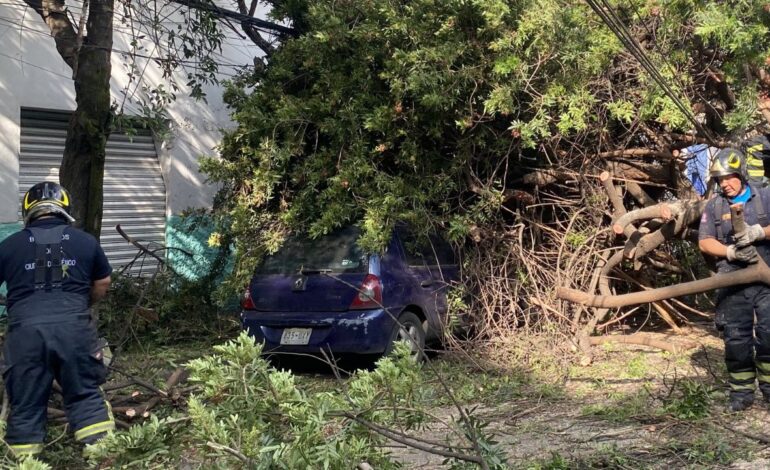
x: 369, y: 295
x: 246, y: 302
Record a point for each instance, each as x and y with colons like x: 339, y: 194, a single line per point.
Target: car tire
x: 408, y: 325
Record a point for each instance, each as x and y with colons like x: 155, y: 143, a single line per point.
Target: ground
x: 632, y: 407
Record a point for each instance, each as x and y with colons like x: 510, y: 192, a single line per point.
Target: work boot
x: 740, y: 402
x: 764, y: 387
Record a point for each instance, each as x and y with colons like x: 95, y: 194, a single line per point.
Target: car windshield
x: 337, y: 252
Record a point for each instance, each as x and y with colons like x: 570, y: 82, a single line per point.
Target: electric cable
x: 650, y: 67
x: 613, y: 22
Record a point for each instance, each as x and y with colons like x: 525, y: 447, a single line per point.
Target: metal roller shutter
x: 134, y: 190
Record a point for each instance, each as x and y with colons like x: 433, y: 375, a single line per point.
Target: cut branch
x: 756, y: 273
x: 637, y: 153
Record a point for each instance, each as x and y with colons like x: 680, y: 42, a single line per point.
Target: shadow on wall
x: 192, y: 139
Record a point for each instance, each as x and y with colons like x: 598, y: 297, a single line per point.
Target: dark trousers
x: 747, y: 341
x: 37, y: 354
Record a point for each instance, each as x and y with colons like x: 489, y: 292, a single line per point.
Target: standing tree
x: 87, y: 51
x: 85, y: 45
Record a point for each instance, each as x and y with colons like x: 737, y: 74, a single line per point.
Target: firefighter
x: 54, y: 273
x: 747, y: 360
x: 757, y: 151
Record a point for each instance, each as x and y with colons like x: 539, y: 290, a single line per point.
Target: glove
x: 746, y: 254
x: 750, y: 235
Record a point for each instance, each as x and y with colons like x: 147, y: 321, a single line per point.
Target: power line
x: 613, y: 22
x: 68, y: 77
x: 121, y: 18
x: 666, y: 60
x: 189, y: 63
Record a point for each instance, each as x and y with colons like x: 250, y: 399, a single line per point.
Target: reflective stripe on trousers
x: 747, y: 345
x: 40, y: 347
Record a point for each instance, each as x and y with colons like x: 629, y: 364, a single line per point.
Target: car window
x: 337, y: 252
x: 424, y: 250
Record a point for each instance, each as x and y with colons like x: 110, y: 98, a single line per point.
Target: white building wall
x: 32, y: 74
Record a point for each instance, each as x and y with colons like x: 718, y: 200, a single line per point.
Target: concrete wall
x: 32, y: 74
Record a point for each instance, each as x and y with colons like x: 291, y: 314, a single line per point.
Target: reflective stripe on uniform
x: 754, y: 166
x: 763, y: 367
x: 764, y: 378
x: 92, y: 429
x: 26, y: 449
x: 749, y: 375
x: 738, y: 387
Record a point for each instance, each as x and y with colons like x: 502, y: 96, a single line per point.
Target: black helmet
x: 728, y: 161
x: 46, y: 198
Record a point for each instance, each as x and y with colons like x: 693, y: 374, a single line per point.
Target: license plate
x: 296, y: 335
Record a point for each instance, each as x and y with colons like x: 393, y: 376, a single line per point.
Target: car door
x: 441, y: 261
x: 432, y: 267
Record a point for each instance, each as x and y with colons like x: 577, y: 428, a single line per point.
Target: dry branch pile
x: 608, y: 223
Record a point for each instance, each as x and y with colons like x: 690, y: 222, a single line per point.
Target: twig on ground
x: 230, y: 451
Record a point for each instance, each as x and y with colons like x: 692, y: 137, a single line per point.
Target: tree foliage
x: 431, y: 111
x: 249, y: 414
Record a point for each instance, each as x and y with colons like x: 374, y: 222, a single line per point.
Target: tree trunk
x: 82, y: 167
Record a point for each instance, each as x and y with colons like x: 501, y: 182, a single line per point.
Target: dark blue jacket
x: 83, y: 262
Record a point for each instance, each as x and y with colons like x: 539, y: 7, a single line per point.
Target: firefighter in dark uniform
x: 53, y: 272
x: 747, y: 343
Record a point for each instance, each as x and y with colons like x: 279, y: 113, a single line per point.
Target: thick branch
x: 662, y: 210
x: 636, y: 153
x: 759, y: 272
x: 612, y: 193
x: 242, y: 18
x: 604, y: 288
x: 544, y: 177
x: 62, y: 30
x: 639, y: 194
x: 641, y: 172
x: 257, y: 39
x: 250, y: 30
x: 669, y: 230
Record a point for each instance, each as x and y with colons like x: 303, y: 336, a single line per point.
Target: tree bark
x: 82, y: 167
x: 759, y: 272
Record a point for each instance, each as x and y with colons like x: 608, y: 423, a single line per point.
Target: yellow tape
x: 26, y: 449
x: 743, y: 375
x: 92, y: 429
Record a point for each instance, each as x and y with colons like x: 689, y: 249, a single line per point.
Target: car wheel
x: 409, y: 326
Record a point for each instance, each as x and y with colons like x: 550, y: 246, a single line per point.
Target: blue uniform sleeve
x: 102, y: 267
x: 765, y: 197
x: 707, y: 229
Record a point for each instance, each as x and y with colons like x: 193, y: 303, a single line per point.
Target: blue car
x: 328, y: 294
